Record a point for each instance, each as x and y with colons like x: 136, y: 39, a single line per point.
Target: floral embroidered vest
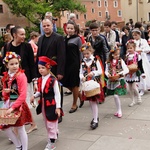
x: 114, y: 68
x: 87, y: 69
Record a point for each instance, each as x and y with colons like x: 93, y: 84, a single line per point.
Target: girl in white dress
x: 142, y: 48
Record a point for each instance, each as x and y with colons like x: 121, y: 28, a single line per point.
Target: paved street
x: 131, y: 132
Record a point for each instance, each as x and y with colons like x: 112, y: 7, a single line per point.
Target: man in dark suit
x: 52, y: 45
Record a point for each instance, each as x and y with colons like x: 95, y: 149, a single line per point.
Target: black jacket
x: 27, y: 59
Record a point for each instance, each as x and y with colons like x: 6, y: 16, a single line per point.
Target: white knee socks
x: 23, y: 137
x: 118, y: 104
x: 9, y: 132
x: 94, y: 109
x: 18, y: 141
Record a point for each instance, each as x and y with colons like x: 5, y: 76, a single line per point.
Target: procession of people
x: 92, y: 66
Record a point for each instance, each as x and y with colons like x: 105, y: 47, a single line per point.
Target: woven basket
x: 9, y: 119
x: 132, y: 68
x: 114, y: 78
x: 93, y: 92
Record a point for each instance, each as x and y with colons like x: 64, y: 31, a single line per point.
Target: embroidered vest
x: 48, y: 96
x: 114, y: 69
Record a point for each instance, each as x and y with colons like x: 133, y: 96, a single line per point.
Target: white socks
x: 94, y: 109
x: 9, y: 132
x: 118, y: 104
x: 23, y: 137
x: 20, y: 140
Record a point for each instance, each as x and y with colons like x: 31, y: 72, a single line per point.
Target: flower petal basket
x: 8, y: 119
x: 114, y: 78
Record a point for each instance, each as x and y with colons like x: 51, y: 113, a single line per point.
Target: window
x: 119, y: 13
x: 105, y: 3
x: 63, y: 13
x: 67, y: 16
x: 100, y: 14
x: 129, y: 2
x: 107, y: 15
x: 93, y: 10
x: 149, y: 16
x: 77, y: 16
x: 1, y: 8
x: 84, y: 6
x: 99, y: 3
x: 85, y: 16
x: 140, y: 1
x: 115, y: 4
x: 2, y: 31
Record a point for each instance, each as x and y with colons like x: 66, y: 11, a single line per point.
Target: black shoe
x: 94, y: 125
x: 68, y: 93
x: 60, y: 119
x: 81, y: 104
x: 72, y: 110
x: 93, y: 120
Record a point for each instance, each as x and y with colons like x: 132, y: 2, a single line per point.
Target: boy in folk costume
x: 116, y: 67
x: 14, y: 96
x: 49, y: 104
x: 90, y: 69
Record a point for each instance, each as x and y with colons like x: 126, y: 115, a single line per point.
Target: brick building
x: 7, y: 17
x: 101, y: 10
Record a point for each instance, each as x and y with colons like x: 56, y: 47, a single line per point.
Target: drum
x: 91, y: 88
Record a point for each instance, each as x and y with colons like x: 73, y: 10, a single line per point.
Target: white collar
x: 11, y: 74
x: 88, y: 59
x: 47, y: 76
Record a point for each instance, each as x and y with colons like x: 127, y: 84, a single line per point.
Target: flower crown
x: 130, y: 41
x: 85, y: 46
x: 113, y: 50
x: 11, y: 55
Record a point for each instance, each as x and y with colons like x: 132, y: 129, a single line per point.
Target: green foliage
x: 34, y: 10
x: 87, y: 24
x: 29, y: 30
x: 60, y: 31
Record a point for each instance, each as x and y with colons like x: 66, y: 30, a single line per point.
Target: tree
x: 34, y: 10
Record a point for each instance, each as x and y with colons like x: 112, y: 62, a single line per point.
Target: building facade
x: 138, y: 10
x: 100, y: 10
x: 7, y: 17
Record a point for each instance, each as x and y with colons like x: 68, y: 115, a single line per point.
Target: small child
x: 89, y: 69
x: 115, y: 66
x: 143, y: 49
x: 132, y: 78
x: 14, y: 96
x: 49, y: 104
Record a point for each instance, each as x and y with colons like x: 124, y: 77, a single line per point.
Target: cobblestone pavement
x: 131, y: 132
